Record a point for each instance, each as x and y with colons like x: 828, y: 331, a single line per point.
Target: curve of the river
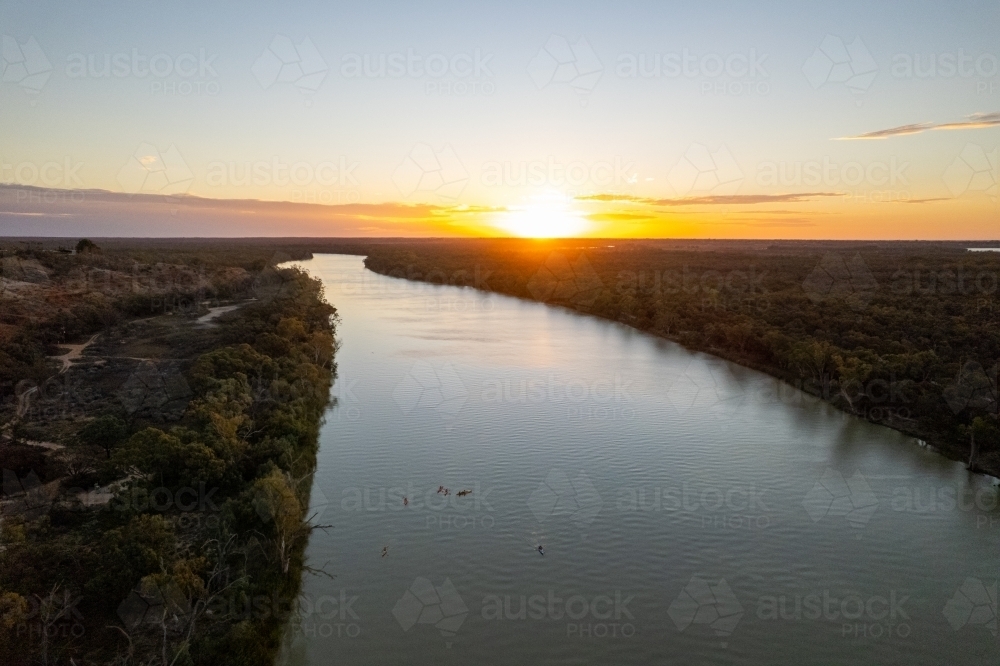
x: 691, y: 511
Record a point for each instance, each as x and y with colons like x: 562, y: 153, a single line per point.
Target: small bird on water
x: 406, y: 501
x: 463, y: 493
x: 541, y: 551
x: 385, y: 550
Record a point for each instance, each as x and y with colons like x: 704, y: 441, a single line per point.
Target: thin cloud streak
x: 726, y: 200
x: 975, y: 121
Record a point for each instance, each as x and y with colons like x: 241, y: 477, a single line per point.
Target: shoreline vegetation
x: 160, y: 400
x: 156, y: 485
x: 901, y: 334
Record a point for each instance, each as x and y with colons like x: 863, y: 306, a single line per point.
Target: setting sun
x: 547, y: 216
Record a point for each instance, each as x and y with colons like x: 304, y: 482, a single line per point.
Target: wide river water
x: 691, y: 511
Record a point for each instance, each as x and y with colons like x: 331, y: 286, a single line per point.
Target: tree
x: 106, y: 432
x: 86, y: 245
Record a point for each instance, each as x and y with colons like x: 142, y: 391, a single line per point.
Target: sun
x: 548, y: 216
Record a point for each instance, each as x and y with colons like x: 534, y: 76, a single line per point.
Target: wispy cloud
x: 728, y: 199
x: 619, y: 217
x: 102, y: 213
x: 975, y: 121
x: 22, y: 214
x: 924, y: 201
x: 765, y: 223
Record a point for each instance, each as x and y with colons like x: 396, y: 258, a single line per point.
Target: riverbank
x: 174, y: 498
x: 872, y: 343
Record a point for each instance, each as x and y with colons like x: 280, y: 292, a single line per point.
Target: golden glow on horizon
x: 547, y: 216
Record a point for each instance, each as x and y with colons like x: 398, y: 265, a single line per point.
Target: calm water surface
x: 691, y: 511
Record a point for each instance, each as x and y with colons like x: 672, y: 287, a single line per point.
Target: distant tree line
x: 901, y: 334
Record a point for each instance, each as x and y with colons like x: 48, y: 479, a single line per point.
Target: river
x: 690, y: 511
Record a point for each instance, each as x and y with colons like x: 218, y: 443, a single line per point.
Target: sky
x: 616, y: 119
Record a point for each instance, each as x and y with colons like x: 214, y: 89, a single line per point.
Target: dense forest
x: 156, y: 487
x: 160, y: 402
x: 903, y: 334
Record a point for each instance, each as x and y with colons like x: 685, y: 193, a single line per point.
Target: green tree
x: 106, y: 432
